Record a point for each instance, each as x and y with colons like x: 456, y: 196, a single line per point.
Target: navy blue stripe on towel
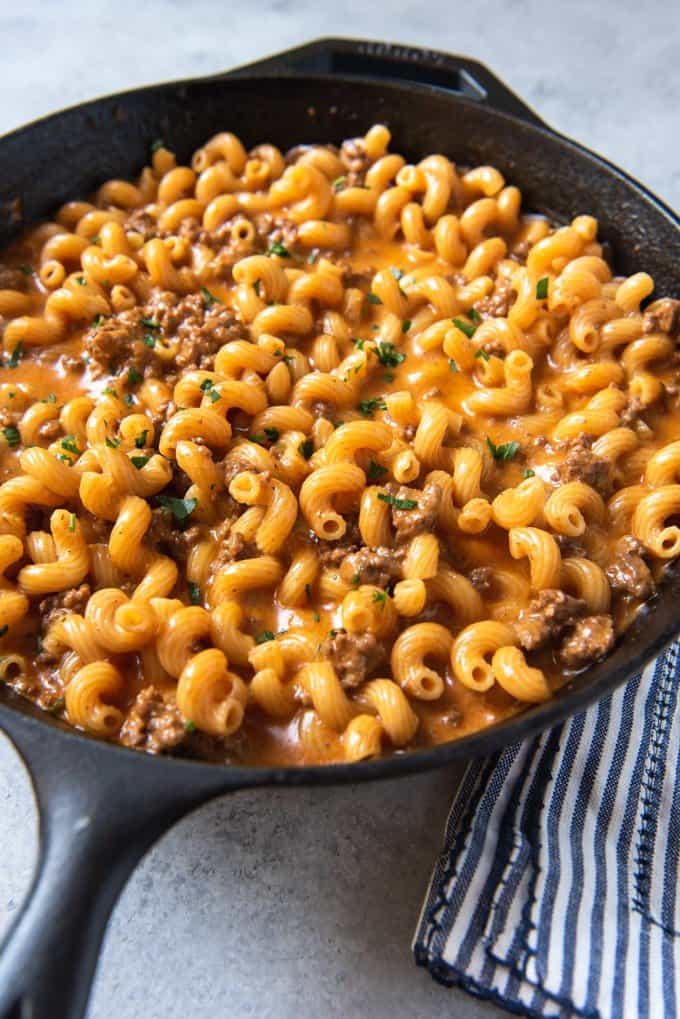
x: 555, y: 894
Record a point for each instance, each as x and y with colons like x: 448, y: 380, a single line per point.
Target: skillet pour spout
x: 101, y: 807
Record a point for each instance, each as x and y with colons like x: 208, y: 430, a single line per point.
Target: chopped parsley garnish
x: 542, y: 289
x: 17, y: 354
x: 194, y: 593
x: 474, y: 315
x: 208, y: 298
x: 316, y: 617
x: 181, y: 509
x: 214, y: 395
x: 149, y: 340
x: 339, y: 183
x: 397, y: 273
x: 306, y: 448
x: 389, y: 376
x: 72, y: 522
x: 207, y: 384
x: 149, y: 323
x: 358, y: 343
x: 272, y: 434
x: 528, y: 473
x: 134, y: 377
x: 156, y: 145
x: 50, y: 398
x: 465, y: 327
x: 380, y: 597
x: 189, y: 726
x: 4, y: 630
x: 505, y: 451
x: 81, y: 281
x: 57, y: 705
x: 402, y: 504
x: 406, y: 325
x: 140, y: 461
x: 128, y: 400
x: 140, y: 441
x: 389, y: 355
x: 263, y: 637
x: 373, y: 298
x: 453, y: 367
x: 256, y: 286
x: 12, y: 436
x: 355, y: 580
x: 482, y: 353
x: 369, y: 407
x: 313, y: 256
x: 276, y: 248
x: 70, y: 444
x: 376, y: 471
x: 110, y: 392
x: 112, y: 443
x: 97, y: 321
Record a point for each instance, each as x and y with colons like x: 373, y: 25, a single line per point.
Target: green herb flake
x: 306, y: 448
x: 70, y: 444
x: 402, y: 504
x: 128, y: 400
x: 376, y: 471
x: 149, y: 323
x: 453, y: 367
x: 112, y: 443
x: 134, y: 377
x: 214, y: 395
x: 528, y: 473
x: 257, y: 437
x: 278, y: 249
x: 389, y: 376
x: 181, y: 509
x: 316, y: 617
x: 194, y: 593
x: 380, y: 598
x: 397, y: 273
x: 505, y: 451
x: 256, y: 286
x: 140, y: 441
x: 358, y: 343
x: 140, y: 461
x: 17, y: 354
x: 264, y: 637
x: 406, y: 325
x: 12, y: 436
x: 355, y: 580
x: 155, y: 146
x: 189, y: 726
x: 369, y: 407
x: 339, y: 183
x: 465, y: 327
x: 272, y: 434
x: 57, y: 706
x: 50, y: 398
x: 149, y: 340
x: 209, y: 299
x: 72, y: 522
x: 474, y: 315
x: 389, y: 355
x: 373, y: 298
x: 542, y: 289
x: 81, y: 281
x: 313, y: 256
x: 482, y: 353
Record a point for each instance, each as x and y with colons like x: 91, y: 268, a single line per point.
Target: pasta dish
x: 322, y: 455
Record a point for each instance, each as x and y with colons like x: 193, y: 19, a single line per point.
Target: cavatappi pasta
x: 321, y: 455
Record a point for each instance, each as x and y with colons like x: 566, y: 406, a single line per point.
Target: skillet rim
x: 531, y: 722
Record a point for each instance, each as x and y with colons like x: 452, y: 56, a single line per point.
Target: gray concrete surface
x: 302, y: 903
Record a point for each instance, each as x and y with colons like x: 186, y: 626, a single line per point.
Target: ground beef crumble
x: 377, y: 566
x: 546, y: 617
x: 353, y: 656
x: 422, y: 517
x: 591, y: 638
x: 581, y: 464
x: 481, y: 578
x: 57, y: 605
x: 663, y: 318
x: 497, y: 304
x: 628, y: 573
x: 152, y: 724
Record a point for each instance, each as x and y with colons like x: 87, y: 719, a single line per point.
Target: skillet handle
x: 389, y: 61
x: 100, y: 810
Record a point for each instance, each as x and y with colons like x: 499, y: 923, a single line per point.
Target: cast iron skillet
x: 101, y: 807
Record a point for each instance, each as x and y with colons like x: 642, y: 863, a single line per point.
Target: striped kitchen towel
x: 556, y: 894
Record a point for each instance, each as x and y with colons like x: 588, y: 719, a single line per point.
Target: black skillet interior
x: 102, y: 806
